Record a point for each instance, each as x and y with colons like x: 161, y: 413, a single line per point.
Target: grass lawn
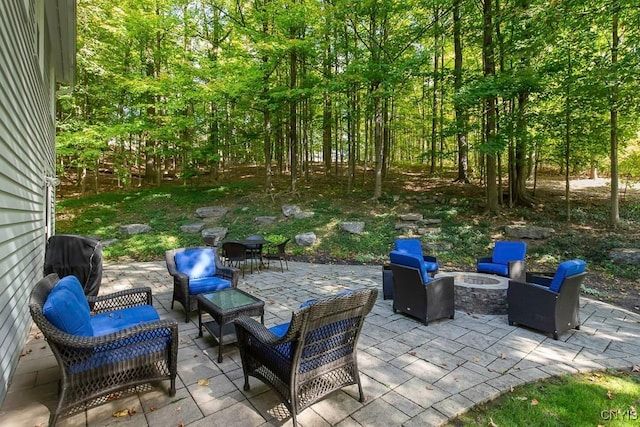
x: 609, y: 398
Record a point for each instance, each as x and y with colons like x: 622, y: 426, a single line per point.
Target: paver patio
x: 412, y: 375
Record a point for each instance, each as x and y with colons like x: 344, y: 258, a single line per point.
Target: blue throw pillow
x: 566, y: 269
x: 65, y: 312
x: 196, y: 263
x: 506, y: 251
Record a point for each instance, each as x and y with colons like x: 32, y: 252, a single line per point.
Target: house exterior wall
x: 27, y: 158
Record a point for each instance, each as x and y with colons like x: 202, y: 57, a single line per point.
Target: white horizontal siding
x: 27, y: 155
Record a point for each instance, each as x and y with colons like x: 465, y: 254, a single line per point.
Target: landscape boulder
x: 211, y: 212
x: 625, y: 256
x: 528, y: 232
x: 353, y: 227
x: 411, y: 217
x: 192, y: 228
x: 306, y: 239
x: 108, y: 242
x: 304, y: 214
x: 265, y: 220
x: 214, y: 234
x: 130, y: 229
x: 290, y: 210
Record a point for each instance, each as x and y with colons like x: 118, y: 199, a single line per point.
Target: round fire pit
x: 479, y: 293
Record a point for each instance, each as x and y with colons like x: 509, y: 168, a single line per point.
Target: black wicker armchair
x: 313, y: 355
x: 417, y: 294
x: 508, y: 259
x: 549, y: 304
x: 196, y: 270
x: 125, y: 353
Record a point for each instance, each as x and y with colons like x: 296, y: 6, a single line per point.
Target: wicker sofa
x: 121, y: 345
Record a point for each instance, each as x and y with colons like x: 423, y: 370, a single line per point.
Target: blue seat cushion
x: 66, y: 313
x: 410, y: 260
x: 208, y: 284
x: 114, y: 321
x: 566, y: 269
x: 488, y: 267
x: 411, y: 246
x: 280, y: 330
x: 124, y: 350
x: 506, y: 251
x: 196, y: 263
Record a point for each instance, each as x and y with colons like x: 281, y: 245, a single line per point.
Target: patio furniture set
x: 114, y: 344
x: 548, y: 302
x: 111, y: 344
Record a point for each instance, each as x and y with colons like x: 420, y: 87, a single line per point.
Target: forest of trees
x: 490, y: 88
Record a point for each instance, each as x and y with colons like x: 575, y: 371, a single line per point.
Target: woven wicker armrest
x: 122, y: 299
x: 246, y: 326
x: 230, y: 273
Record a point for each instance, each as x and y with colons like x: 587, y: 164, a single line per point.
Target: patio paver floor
x: 412, y: 374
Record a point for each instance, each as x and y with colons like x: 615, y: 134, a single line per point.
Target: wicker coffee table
x: 224, y: 307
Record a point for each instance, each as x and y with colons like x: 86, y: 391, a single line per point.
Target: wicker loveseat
x: 120, y: 345
x: 312, y: 355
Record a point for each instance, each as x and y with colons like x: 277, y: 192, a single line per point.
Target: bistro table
x: 253, y: 249
x: 224, y: 307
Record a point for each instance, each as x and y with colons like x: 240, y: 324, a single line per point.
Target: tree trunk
x: 615, y: 40
x: 490, y: 109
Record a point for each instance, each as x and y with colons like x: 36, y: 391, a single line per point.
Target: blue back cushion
x: 196, y: 263
x: 72, y: 284
x: 411, y: 246
x: 65, y: 312
x: 505, y: 251
x: 410, y: 260
x: 566, y: 269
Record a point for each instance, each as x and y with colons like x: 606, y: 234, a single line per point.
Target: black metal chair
x: 280, y: 254
x: 310, y: 357
x: 96, y: 369
x: 196, y: 270
x: 417, y: 294
x: 235, y: 254
x: 549, y: 303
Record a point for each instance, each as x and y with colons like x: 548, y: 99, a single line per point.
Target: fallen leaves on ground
x: 534, y: 402
x: 610, y: 394
x: 127, y: 412
x: 491, y: 423
x: 635, y: 368
x: 203, y: 382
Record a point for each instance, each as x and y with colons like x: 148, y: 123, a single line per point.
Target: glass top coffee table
x: 224, y: 307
